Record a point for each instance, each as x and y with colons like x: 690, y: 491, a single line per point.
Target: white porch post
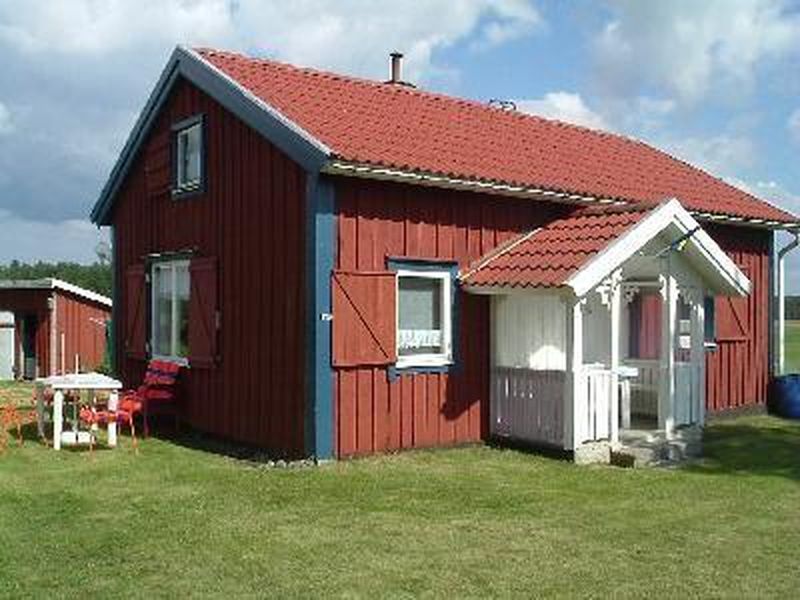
x: 573, y: 385
x: 616, y: 315
x: 666, y: 388
x: 698, y: 357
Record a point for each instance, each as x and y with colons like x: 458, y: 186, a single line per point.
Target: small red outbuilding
x: 49, y: 326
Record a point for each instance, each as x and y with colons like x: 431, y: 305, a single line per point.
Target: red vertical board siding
x: 376, y: 220
x: 81, y: 323
x: 737, y: 373
x: 250, y: 219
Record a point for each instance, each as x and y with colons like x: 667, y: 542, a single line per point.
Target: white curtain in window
x: 409, y: 339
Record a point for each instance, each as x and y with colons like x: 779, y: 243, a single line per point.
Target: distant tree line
x: 95, y: 277
x: 793, y: 308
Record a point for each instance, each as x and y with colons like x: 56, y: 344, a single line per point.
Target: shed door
x: 6, y: 345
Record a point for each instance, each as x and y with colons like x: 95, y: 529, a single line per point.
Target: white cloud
x: 563, y: 106
x: 6, y: 125
x: 720, y: 155
x: 30, y: 240
x: 77, y: 73
x: 794, y: 125
x: 86, y: 27
x: 349, y: 35
x: 689, y: 48
x: 515, y: 19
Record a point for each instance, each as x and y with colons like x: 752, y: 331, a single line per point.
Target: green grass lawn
x: 793, y: 346
x: 478, y: 521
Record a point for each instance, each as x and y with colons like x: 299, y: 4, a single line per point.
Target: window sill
x: 411, y: 367
x: 178, y: 360
x: 181, y: 193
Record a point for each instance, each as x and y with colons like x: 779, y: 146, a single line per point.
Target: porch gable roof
x: 578, y: 251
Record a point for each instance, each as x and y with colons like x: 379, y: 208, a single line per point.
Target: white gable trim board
x: 55, y: 284
x: 729, y: 278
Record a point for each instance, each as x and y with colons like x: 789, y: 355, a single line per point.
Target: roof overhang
x: 293, y: 140
x: 500, y: 188
x: 720, y: 274
x: 55, y: 284
x: 314, y: 155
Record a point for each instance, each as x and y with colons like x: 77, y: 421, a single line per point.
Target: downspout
x: 782, y: 253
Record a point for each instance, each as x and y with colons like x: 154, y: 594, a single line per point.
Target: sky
x: 716, y: 83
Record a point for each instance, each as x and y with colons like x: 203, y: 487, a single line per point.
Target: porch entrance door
x: 6, y: 345
x: 687, y: 370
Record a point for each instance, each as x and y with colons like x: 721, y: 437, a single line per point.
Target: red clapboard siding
x: 250, y: 219
x: 737, y: 373
x: 376, y: 220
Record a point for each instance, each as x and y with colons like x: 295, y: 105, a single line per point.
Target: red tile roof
x: 400, y: 127
x: 549, y: 256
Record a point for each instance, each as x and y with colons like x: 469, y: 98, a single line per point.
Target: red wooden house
x: 349, y: 266
x: 49, y: 327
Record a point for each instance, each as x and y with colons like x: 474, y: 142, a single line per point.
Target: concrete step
x: 637, y: 457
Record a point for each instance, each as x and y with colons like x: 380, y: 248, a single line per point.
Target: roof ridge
x: 471, y: 102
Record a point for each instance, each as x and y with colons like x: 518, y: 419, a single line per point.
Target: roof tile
x: 404, y: 128
x: 549, y: 256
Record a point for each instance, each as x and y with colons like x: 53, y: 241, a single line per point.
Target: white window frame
x: 173, y: 265
x: 182, y: 186
x: 440, y: 359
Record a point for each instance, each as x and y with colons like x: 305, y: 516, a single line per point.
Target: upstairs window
x: 189, y: 156
x: 424, y: 318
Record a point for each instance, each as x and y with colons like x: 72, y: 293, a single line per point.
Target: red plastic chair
x: 127, y: 409
x: 157, y: 392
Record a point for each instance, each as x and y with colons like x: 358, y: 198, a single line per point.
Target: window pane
x: 182, y: 308
x: 162, y: 309
x: 419, y: 315
x: 189, y: 144
x: 193, y: 155
x: 683, y: 333
x: 709, y: 323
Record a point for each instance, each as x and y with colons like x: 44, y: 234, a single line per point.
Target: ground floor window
x: 170, y: 309
x: 424, y: 318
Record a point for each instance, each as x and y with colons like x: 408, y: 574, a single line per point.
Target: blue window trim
x: 425, y: 264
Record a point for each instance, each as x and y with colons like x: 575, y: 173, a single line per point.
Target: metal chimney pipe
x: 397, y: 67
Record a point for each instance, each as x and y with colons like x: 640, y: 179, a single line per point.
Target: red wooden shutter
x: 731, y: 315
x: 364, y: 318
x: 158, y: 165
x: 135, y: 312
x: 203, y: 312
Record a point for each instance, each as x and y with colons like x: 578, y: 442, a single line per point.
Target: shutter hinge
x: 325, y: 316
x: 147, y: 277
x: 218, y: 320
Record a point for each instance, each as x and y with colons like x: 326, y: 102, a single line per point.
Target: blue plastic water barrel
x: 784, y: 398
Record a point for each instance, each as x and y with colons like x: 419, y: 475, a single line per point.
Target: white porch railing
x: 528, y: 405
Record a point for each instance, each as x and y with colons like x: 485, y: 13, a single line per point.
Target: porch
x: 614, y: 353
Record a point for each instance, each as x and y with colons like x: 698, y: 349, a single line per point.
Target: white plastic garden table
x: 91, y: 382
